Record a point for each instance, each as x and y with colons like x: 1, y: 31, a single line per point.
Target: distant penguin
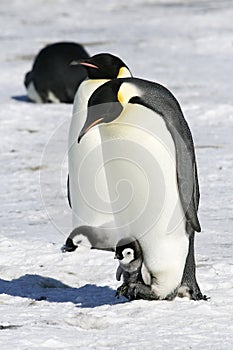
x: 131, y: 267
x: 53, y: 77
x: 87, y: 191
x: 147, y: 143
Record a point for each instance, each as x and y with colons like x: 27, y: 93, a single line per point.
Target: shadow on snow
x: 45, y: 288
x: 21, y: 98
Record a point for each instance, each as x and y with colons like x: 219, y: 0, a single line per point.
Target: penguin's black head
x: 105, y: 66
x: 103, y: 106
x: 128, y: 250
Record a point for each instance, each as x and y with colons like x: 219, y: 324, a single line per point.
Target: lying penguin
x: 53, y: 77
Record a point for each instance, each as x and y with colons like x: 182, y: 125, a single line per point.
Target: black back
x: 52, y: 71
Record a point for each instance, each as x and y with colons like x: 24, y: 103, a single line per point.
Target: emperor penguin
x: 87, y: 190
x: 131, y: 268
x: 53, y: 78
x: 151, y: 174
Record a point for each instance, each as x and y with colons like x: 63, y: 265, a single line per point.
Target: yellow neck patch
x: 120, y: 97
x: 126, y: 92
x: 124, y: 73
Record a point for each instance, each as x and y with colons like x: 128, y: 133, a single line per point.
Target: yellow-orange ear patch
x: 120, y: 97
x: 124, y: 73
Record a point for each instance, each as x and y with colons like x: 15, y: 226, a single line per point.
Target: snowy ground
x: 51, y: 300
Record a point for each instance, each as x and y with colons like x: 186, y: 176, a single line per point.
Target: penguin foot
x: 141, y: 291
x: 129, y: 291
x: 122, y: 291
x: 198, y: 296
x: 135, y: 291
x: 192, y: 293
x: 172, y: 295
x: 69, y: 246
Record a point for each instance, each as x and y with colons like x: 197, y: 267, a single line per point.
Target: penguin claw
x: 129, y: 291
x: 199, y: 296
x: 122, y: 291
x: 192, y: 293
x: 133, y: 291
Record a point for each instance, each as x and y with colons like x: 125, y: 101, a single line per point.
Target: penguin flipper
x: 162, y: 101
x: 146, y: 277
x: 186, y: 168
x: 68, y: 191
x: 119, y: 273
x: 188, y: 185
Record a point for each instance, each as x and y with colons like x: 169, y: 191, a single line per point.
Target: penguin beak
x: 85, y: 129
x: 83, y: 63
x: 89, y: 65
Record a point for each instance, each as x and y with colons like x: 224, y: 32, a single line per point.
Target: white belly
x: 140, y: 166
x: 88, y: 189
x: 33, y: 94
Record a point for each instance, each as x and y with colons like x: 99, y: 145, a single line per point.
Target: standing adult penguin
x: 147, y: 145
x: 87, y: 190
x: 53, y: 78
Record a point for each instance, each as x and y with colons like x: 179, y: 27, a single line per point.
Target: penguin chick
x: 131, y: 267
x: 89, y: 236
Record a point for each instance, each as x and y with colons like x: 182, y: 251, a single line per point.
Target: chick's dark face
x: 118, y: 254
x: 127, y: 251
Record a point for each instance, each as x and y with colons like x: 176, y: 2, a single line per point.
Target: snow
x: 51, y: 300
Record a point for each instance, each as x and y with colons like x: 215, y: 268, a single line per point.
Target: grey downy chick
x: 131, y: 267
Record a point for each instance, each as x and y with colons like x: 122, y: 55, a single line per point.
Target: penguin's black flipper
x: 162, y: 101
x: 68, y: 191
x: 119, y: 272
